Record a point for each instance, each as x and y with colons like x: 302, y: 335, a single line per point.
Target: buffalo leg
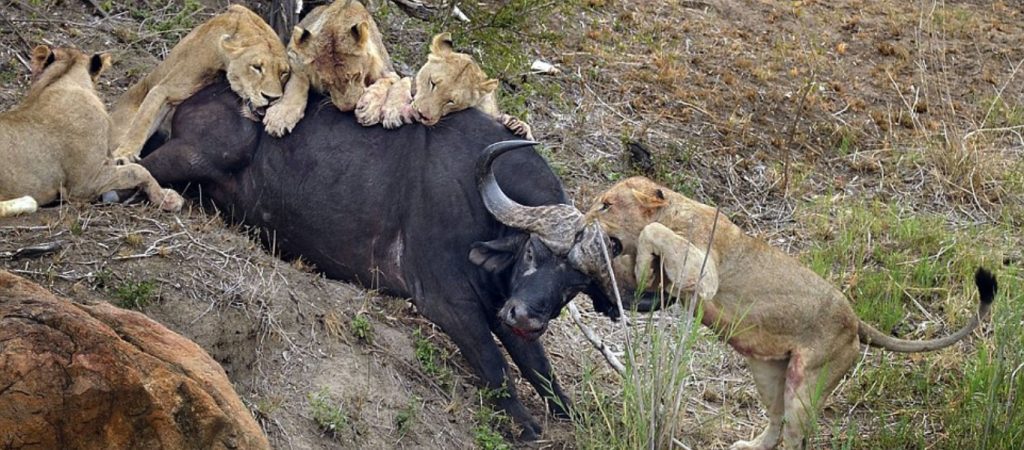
x: 533, y: 362
x: 466, y: 323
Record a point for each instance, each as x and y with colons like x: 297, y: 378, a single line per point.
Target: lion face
x: 257, y: 73
x: 340, y: 51
x: 448, y: 82
x: 623, y: 211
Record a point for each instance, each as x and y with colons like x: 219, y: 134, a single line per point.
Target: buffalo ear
x: 498, y: 255
x: 601, y: 302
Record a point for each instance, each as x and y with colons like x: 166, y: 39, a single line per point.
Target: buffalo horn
x: 555, y: 225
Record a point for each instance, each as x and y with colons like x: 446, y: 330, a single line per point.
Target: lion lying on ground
x: 337, y: 50
x: 55, y: 142
x: 451, y: 82
x: 797, y: 332
x: 237, y: 42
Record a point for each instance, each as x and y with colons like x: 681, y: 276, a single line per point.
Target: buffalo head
x: 556, y: 258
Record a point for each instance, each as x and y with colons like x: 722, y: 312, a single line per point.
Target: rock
x: 95, y: 377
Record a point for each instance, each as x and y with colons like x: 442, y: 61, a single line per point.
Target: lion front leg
x: 155, y: 107
x: 397, y: 110
x: 687, y: 267
x: 517, y: 126
x: 282, y: 116
x: 370, y: 108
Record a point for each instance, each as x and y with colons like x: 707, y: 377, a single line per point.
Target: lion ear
x: 228, y: 45
x: 42, y: 57
x: 650, y: 201
x: 489, y: 85
x: 442, y: 44
x: 361, y: 33
x: 300, y: 36
x: 98, y: 64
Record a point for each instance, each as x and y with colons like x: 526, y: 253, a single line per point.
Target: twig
x: 596, y: 341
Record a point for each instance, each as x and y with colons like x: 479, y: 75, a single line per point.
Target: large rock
x: 96, y: 377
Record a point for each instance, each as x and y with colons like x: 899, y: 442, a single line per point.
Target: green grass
x: 330, y: 417
x: 432, y: 358
x: 488, y: 421
x: 361, y: 328
x: 135, y: 295
x: 889, y: 261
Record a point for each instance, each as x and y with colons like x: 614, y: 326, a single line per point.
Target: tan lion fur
x: 54, y: 144
x: 798, y: 333
x: 336, y: 50
x: 451, y: 82
x: 236, y: 42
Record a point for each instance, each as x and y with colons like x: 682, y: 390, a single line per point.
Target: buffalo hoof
x: 560, y: 410
x: 531, y: 431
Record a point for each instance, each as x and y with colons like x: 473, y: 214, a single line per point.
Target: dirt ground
x: 760, y: 107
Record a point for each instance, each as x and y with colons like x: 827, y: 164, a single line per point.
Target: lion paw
x: 517, y: 126
x: 281, y: 119
x: 370, y: 108
x: 172, y: 200
x: 397, y: 108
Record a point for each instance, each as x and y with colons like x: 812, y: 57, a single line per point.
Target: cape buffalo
x: 402, y: 210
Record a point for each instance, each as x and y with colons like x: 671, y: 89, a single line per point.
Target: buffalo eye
x: 616, y: 247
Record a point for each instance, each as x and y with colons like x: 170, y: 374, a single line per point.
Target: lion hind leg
x: 20, y: 205
x: 770, y: 379
x: 810, y: 378
x: 134, y: 176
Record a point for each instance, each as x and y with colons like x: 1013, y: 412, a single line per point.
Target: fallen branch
x: 596, y: 341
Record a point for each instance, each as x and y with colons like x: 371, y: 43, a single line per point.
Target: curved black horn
x: 554, y: 224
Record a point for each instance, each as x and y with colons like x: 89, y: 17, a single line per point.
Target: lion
x: 236, y: 42
x: 797, y: 332
x: 451, y: 82
x: 338, y: 51
x: 54, y: 143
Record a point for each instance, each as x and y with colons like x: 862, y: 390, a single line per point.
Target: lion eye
x: 605, y: 206
x: 449, y: 103
x: 258, y: 68
x: 433, y: 84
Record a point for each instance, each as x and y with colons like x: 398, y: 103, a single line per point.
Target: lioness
x: 338, y: 51
x: 55, y: 142
x: 237, y: 42
x: 797, y: 332
x: 452, y: 81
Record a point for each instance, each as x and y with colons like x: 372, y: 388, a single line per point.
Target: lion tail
x: 987, y: 287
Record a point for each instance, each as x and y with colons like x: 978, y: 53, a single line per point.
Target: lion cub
x: 336, y: 50
x: 237, y: 42
x: 54, y: 144
x: 451, y: 82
